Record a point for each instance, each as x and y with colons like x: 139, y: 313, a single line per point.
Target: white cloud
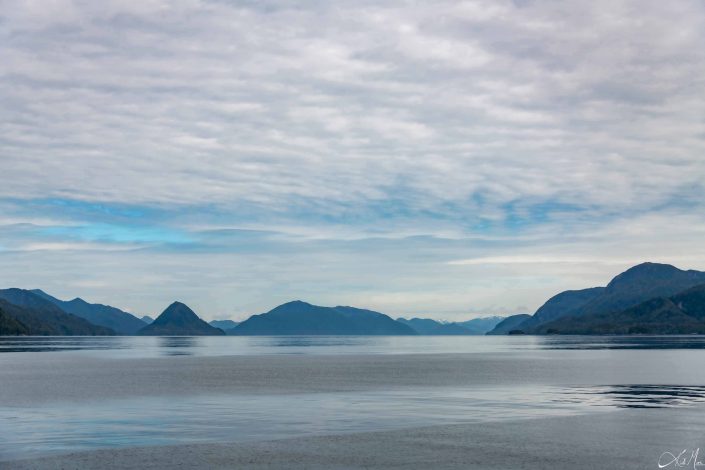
x: 347, y: 121
x: 137, y: 96
x: 532, y: 259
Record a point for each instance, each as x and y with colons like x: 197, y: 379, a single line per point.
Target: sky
x: 440, y: 159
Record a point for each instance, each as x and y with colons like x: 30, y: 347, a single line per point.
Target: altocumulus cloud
x: 436, y: 157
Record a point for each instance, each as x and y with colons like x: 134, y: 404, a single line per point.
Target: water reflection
x: 177, y: 345
x: 623, y: 342
x: 150, y: 346
x: 636, y: 396
x: 59, y: 343
x: 314, y: 341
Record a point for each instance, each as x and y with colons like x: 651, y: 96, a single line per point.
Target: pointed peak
x: 178, y: 307
x: 176, y: 311
x: 178, y: 319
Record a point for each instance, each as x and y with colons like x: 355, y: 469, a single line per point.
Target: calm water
x: 64, y: 394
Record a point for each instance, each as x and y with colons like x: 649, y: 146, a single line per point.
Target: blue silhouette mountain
x: 301, y: 318
x: 39, y: 316
x: 179, y: 320
x: 121, y: 322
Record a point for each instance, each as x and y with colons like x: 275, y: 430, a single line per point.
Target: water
x: 66, y: 394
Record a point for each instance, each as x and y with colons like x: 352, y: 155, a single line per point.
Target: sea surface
x: 66, y: 394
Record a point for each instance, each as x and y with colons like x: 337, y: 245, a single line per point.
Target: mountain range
x: 428, y: 326
x: 122, y: 323
x: 24, y: 312
x: 648, y: 298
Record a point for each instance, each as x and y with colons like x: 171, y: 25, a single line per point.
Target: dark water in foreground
x: 65, y: 394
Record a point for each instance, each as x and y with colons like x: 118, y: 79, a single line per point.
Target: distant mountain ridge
x: 649, y: 298
x: 302, y: 318
x: 481, y: 325
x: 224, y: 324
x: 575, y: 312
x: 509, y: 324
x: 179, y: 320
x: 38, y: 316
x: 423, y: 326
x: 429, y: 326
x: 121, y: 322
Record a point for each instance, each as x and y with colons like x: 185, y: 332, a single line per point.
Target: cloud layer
x: 460, y: 152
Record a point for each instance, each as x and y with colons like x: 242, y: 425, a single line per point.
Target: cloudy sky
x: 448, y: 159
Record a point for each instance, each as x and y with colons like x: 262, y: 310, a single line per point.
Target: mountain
x: 42, y: 317
x: 179, y: 320
x: 480, y: 326
x: 301, y: 318
x: 640, y: 283
x: 683, y: 313
x: 121, y: 322
x: 564, y: 304
x: 224, y: 324
x: 692, y: 302
x: 509, y: 324
x: 9, y: 325
x: 147, y: 319
x: 636, y: 285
